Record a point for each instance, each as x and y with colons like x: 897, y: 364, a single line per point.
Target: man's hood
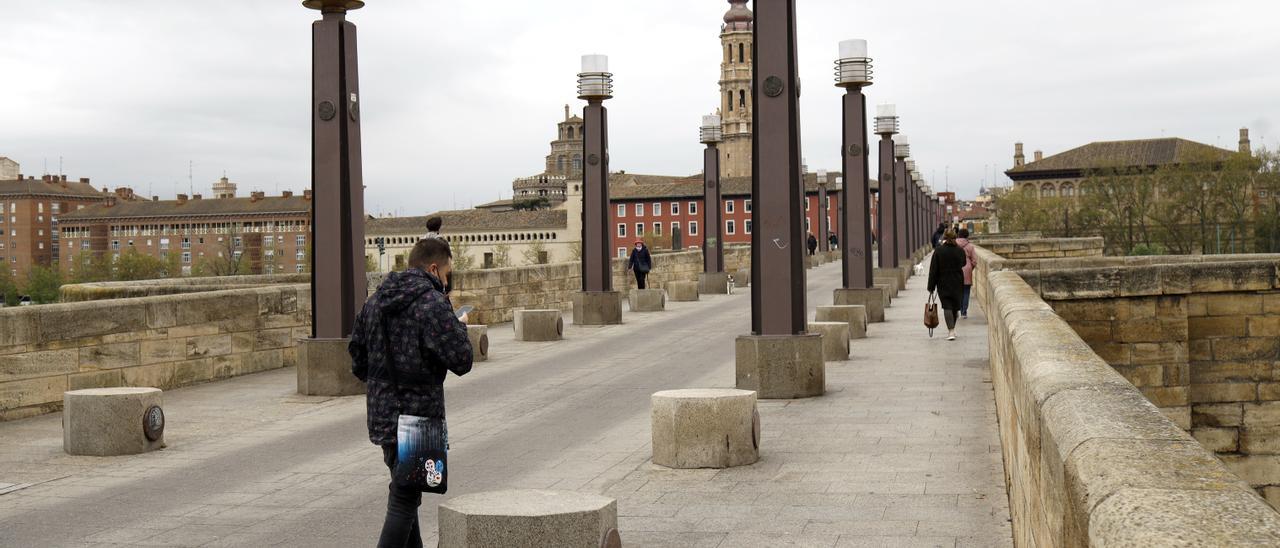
x: 400, y: 289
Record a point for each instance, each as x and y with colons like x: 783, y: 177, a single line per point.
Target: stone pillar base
x: 781, y: 366
x: 874, y: 299
x: 714, y: 283
x: 105, y: 422
x: 835, y: 339
x: 324, y: 369
x: 648, y: 300
x: 889, y: 293
x: 538, y: 325
x: 479, y: 335
x: 682, y: 291
x: 597, y: 308
x: 853, y: 314
x: 742, y: 278
x: 529, y: 518
x: 705, y: 428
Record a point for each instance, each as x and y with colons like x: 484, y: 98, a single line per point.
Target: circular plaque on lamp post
x: 773, y: 86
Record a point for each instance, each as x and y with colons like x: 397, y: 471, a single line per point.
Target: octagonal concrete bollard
x: 713, y: 283
x: 648, y: 300
x: 538, y: 325
x: 324, y: 369
x: 479, y: 336
x: 853, y: 314
x: 705, y: 428
x: 742, y: 278
x: 873, y: 298
x: 529, y: 517
x: 835, y: 339
x: 682, y: 291
x: 105, y: 422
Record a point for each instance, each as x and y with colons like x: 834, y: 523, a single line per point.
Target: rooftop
x: 199, y: 207
x: 1123, y: 154
x: 469, y: 220
x: 50, y: 185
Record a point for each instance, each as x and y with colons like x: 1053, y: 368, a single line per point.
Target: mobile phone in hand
x: 466, y: 308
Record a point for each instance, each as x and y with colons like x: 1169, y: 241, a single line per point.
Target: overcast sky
x: 459, y: 98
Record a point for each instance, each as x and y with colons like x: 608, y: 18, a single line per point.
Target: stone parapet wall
x: 172, y: 286
x: 1043, y: 248
x: 1088, y: 459
x: 162, y: 341
x: 498, y: 293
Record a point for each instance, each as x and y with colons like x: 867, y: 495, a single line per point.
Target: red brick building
x: 30, y: 214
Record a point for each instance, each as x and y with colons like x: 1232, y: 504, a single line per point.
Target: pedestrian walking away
x: 971, y: 260
x: 640, y: 262
x: 812, y: 242
x: 946, y: 276
x: 937, y: 235
x: 410, y: 313
x: 833, y: 241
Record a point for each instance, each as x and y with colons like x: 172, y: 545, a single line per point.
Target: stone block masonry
x: 162, y: 341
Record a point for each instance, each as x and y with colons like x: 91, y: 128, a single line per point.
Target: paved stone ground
x: 901, y: 451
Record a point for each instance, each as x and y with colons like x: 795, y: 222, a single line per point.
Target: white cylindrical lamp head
x: 595, y: 81
x: 853, y: 68
x: 710, y: 131
x: 886, y: 119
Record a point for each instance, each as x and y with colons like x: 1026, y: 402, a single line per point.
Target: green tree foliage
x: 501, y: 255
x: 531, y: 204
x: 43, y: 283
x: 533, y: 253
x: 462, y: 257
x: 8, y: 288
x: 132, y: 265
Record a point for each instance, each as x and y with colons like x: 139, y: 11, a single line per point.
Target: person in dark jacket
x: 833, y: 242
x: 406, y: 339
x: 946, y: 275
x: 640, y: 262
x: 937, y: 235
x: 812, y: 243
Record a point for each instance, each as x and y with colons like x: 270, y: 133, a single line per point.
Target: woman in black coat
x: 946, y: 275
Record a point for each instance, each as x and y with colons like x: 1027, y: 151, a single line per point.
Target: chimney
x: 1245, y: 147
x: 255, y: 196
x: 566, y: 112
x: 196, y: 197
x: 45, y: 178
x: 111, y: 201
x: 1039, y: 155
x: 19, y: 176
x: 306, y: 194
x: 182, y: 199
x: 155, y: 198
x: 84, y: 180
x: 287, y: 194
x: 64, y: 178
x: 1018, y: 159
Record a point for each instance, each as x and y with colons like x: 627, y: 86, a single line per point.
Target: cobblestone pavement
x: 901, y: 451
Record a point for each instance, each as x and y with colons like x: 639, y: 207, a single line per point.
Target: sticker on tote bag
x: 434, y: 472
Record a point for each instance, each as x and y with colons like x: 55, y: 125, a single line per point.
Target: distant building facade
x: 31, y: 212
x: 269, y: 234
x: 9, y: 169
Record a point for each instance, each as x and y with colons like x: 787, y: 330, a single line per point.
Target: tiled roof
x: 470, y: 219
x: 691, y: 187
x: 1122, y: 154
x: 206, y: 207
x: 38, y: 186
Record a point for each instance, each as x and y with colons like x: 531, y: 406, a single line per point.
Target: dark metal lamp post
x: 901, y: 179
x: 598, y: 303
x: 713, y: 279
x: 338, y: 284
x: 886, y: 127
x: 824, y: 226
x: 853, y: 72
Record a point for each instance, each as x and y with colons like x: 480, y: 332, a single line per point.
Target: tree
x: 462, y: 258
x: 534, y: 253
x: 132, y: 265
x: 501, y: 255
x: 531, y: 204
x: 575, y: 251
x: 370, y: 265
x: 230, y: 260
x: 88, y: 267
x: 8, y: 288
x: 43, y: 283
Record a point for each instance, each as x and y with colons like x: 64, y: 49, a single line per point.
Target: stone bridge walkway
x: 901, y: 451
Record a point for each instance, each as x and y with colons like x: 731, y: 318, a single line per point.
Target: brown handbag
x: 931, y: 313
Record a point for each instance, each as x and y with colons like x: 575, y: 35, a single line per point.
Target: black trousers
x: 400, y: 528
x: 640, y: 276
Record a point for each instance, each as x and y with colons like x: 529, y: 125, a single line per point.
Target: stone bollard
x: 835, y: 339
x: 713, y: 283
x: 479, y: 335
x: 106, y: 422
x: 529, y: 517
x: 873, y: 299
x: 648, y: 300
x: 852, y: 314
x: 742, y: 278
x: 888, y: 293
x: 324, y: 369
x: 889, y: 280
x: 538, y: 325
x: 780, y: 367
x: 705, y: 428
x: 682, y: 291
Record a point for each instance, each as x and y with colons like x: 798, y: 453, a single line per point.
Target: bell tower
x: 735, y: 90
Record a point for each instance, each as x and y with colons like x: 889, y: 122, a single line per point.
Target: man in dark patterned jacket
x: 408, y: 324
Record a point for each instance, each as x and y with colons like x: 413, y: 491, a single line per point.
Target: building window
x: 693, y: 228
x: 729, y: 227
x: 40, y: 232
x: 742, y: 98
x: 39, y: 218
x: 639, y: 229
x: 622, y: 210
x: 577, y: 158
x: 675, y: 228
x: 693, y: 208
x: 657, y: 209
x: 55, y: 208
x: 115, y: 245
x: 1068, y: 190
x: 806, y: 203
x: 299, y: 256
x: 84, y: 244
x: 746, y: 225
x: 675, y: 208
x: 622, y: 252
x: 300, y: 241
x: 1047, y: 191
x: 741, y: 54
x: 746, y: 206
x: 39, y: 245
x: 730, y: 100
x: 639, y: 210
x: 269, y: 241
x: 40, y: 207
x: 298, y: 269
x: 186, y: 257
x: 728, y: 206
x: 657, y: 229
x: 622, y: 230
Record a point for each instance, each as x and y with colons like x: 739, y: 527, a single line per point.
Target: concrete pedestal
x: 520, y: 518
x: 887, y: 279
x: 889, y: 294
x: 538, y: 325
x: 324, y: 369
x: 479, y: 335
x: 705, y: 428
x: 898, y: 275
x: 682, y: 291
x: 852, y: 314
x: 874, y: 299
x: 780, y: 366
x: 714, y: 283
x: 809, y: 260
x: 835, y: 339
x: 742, y: 278
x: 647, y: 300
x: 105, y: 422
x: 597, y: 308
